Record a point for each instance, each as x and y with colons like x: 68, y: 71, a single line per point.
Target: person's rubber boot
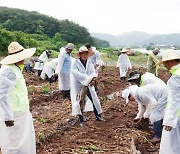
x: 51, y: 80
x: 121, y: 80
x: 124, y: 79
x: 39, y: 72
x: 64, y: 94
x: 81, y: 120
x: 68, y: 95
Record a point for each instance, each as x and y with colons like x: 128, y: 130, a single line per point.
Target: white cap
x: 130, y: 90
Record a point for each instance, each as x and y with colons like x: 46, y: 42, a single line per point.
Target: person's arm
x: 129, y: 63
x: 84, y: 79
x: 148, y: 101
x: 43, y: 57
x: 61, y: 58
x: 149, y: 62
x: 151, y: 105
x: 154, y: 58
x: 7, y: 83
x: 141, y: 110
x: 117, y: 64
x: 173, y: 108
x: 98, y: 60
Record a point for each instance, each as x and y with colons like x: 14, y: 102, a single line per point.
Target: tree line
x: 34, y: 29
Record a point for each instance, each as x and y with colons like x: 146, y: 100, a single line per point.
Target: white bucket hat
x: 70, y: 46
x: 83, y: 49
x: 130, y: 90
x: 125, y: 50
x: 17, y: 53
x: 169, y: 55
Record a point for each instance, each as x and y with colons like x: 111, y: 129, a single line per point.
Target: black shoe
x: 82, y: 124
x: 121, y: 80
x: 100, y: 118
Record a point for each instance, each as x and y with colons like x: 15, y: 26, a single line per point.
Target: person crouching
x: 151, y: 99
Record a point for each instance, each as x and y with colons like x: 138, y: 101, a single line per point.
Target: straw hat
x: 125, y: 50
x: 83, y: 49
x: 17, y: 53
x: 169, y: 55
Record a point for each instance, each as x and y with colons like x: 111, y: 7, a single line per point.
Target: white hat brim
x: 76, y: 55
x: 14, y: 58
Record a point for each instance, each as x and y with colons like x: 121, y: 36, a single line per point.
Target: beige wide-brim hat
x: 169, y: 55
x: 124, y: 50
x: 17, y: 53
x: 83, y: 49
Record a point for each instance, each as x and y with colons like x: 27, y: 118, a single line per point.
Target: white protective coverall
x: 49, y: 68
x: 63, y: 69
x: 14, y: 105
x: 151, y: 100
x: 170, y: 141
x: 96, y: 59
x: 124, y: 64
x: 43, y: 59
x: 149, y: 78
x: 81, y: 77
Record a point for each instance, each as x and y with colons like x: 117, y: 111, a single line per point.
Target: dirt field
x: 57, y: 134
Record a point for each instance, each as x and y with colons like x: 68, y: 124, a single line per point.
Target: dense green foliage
x: 33, y: 29
x: 41, y: 42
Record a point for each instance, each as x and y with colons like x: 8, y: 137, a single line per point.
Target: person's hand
x: 93, y: 82
x: 9, y: 123
x: 55, y: 77
x: 95, y: 66
x: 168, y: 128
x: 136, y: 120
x: 146, y: 119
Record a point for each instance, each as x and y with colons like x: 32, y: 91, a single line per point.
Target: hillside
x: 137, y: 38
x: 13, y: 19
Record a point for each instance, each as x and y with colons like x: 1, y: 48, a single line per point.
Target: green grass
x: 42, y: 120
x: 136, y: 59
x: 140, y: 60
x: 45, y: 89
x: 91, y: 148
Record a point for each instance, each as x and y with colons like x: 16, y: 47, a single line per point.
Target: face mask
x: 21, y: 66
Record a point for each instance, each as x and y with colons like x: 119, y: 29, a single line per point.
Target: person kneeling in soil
x: 151, y: 101
x: 49, y: 71
x: 83, y: 94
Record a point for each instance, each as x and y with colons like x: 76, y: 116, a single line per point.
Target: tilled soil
x: 57, y: 132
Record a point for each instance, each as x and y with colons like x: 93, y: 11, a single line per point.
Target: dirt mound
x: 58, y: 132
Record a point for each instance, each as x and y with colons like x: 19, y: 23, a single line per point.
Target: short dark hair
x: 177, y: 60
x: 88, y: 45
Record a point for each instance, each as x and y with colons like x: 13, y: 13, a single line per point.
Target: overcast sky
x: 110, y: 16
